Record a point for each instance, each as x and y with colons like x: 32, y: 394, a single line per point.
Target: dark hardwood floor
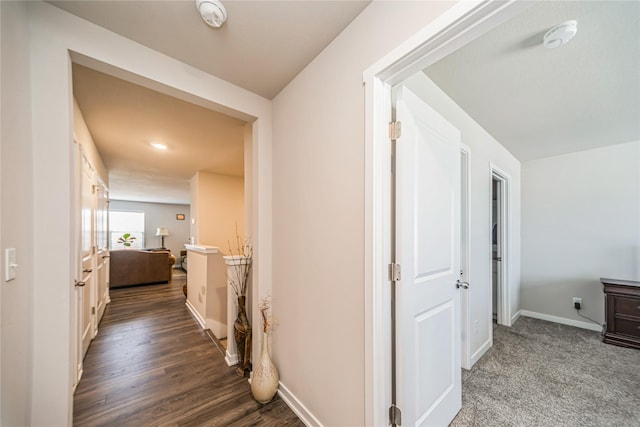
x: 152, y: 365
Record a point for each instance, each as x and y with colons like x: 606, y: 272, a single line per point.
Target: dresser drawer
x: 622, y: 312
x: 628, y: 306
x: 627, y: 327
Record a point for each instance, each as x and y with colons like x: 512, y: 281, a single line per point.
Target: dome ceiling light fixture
x: 560, y: 34
x: 212, y: 12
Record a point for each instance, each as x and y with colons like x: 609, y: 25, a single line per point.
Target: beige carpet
x: 544, y: 374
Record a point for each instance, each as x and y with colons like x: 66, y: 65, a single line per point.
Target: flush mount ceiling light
x: 158, y: 146
x: 212, y: 11
x: 560, y: 34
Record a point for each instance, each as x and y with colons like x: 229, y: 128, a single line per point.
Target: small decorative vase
x: 242, y: 335
x: 265, y: 378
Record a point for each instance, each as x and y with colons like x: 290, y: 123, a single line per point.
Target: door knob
x: 80, y: 284
x: 87, y: 270
x: 463, y: 285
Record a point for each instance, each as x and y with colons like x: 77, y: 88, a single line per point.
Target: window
x: 126, y: 230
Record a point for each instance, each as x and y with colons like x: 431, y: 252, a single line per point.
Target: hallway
x: 152, y: 365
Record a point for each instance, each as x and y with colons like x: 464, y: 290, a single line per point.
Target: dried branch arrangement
x: 239, y: 277
x: 264, y: 306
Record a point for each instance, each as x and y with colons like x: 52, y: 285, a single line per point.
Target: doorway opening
x: 463, y: 23
x: 97, y: 81
x: 499, y: 252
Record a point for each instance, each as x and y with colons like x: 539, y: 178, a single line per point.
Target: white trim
x: 562, y: 320
x: 195, y: 314
x: 231, y: 359
x: 79, y: 373
x: 377, y: 256
x: 466, y: 358
x: 218, y: 328
x: 297, y: 407
x: 504, y: 298
x: 462, y: 23
x: 481, y: 351
x: 515, y: 317
x: 235, y: 259
x: 203, y: 249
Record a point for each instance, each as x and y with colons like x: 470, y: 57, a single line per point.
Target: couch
x: 139, y: 267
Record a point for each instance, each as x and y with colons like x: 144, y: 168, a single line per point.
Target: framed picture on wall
x: 180, y: 217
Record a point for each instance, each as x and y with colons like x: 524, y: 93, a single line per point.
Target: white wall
x: 318, y: 214
x: 17, y: 215
x: 55, y: 36
x: 83, y: 137
x: 484, y: 152
x: 160, y: 215
x: 580, y: 222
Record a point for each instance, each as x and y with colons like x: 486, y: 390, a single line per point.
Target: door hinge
x: 395, y: 130
x: 395, y: 416
x: 93, y: 310
x: 394, y: 272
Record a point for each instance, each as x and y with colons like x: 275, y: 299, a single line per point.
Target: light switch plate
x: 10, y: 265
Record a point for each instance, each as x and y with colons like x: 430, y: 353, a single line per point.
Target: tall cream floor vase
x: 265, y: 378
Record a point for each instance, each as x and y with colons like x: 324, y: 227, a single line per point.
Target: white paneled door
x: 428, y: 250
x: 85, y: 289
x: 102, y: 252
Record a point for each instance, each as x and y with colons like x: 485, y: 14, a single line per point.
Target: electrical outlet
x: 577, y: 303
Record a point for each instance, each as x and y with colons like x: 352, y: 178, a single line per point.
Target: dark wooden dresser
x: 622, y: 312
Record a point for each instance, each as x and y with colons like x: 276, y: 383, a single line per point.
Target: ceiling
x: 537, y: 102
x: 542, y: 102
x: 262, y: 46
x: 125, y: 118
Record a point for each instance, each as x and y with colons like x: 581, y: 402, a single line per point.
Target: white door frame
x: 465, y: 256
x: 60, y: 38
x: 462, y: 23
x: 503, y: 308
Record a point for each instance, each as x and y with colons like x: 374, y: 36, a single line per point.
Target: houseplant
x: 126, y: 240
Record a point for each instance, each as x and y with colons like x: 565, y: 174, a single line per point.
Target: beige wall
x: 218, y: 207
x: 318, y: 214
x: 580, y: 222
x: 16, y: 215
x: 197, y: 283
x: 84, y: 138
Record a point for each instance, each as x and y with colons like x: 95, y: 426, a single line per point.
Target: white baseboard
x: 516, y: 317
x: 218, y: 328
x: 231, y: 359
x: 79, y: 373
x: 297, y: 407
x: 480, y: 352
x: 562, y: 320
x: 196, y: 315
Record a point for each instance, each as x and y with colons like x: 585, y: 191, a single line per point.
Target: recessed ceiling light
x: 560, y: 34
x: 158, y: 146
